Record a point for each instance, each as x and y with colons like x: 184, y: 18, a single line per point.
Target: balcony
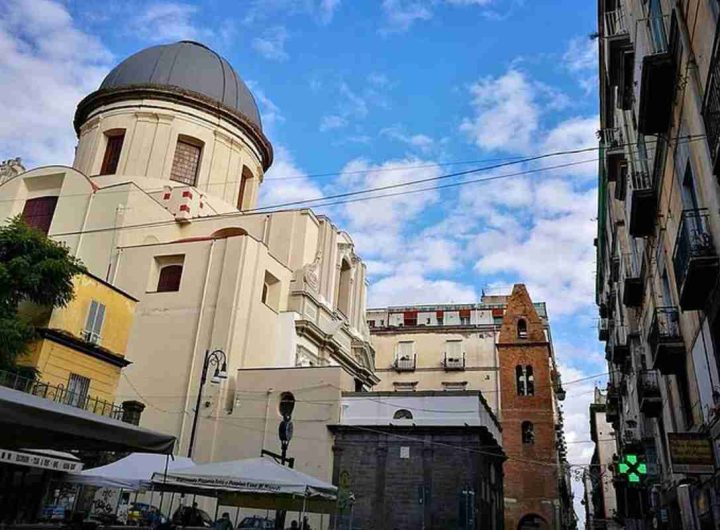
x: 618, y: 349
x: 643, y: 201
x: 657, y: 83
x: 649, y: 393
x: 612, y: 405
x: 711, y: 106
x: 613, y: 146
x: 454, y: 363
x: 604, y: 328
x: 617, y: 43
x: 405, y: 363
x: 59, y: 394
x: 695, y: 260
x: 665, y: 340
x: 633, y: 285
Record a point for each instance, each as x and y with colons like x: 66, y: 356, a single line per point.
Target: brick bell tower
x: 527, y: 417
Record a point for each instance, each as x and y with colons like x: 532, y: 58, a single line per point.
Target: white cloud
x: 168, y: 21
x: 260, y: 11
x: 401, y: 14
x: 271, y: 44
x: 332, y: 121
x: 506, y: 113
x: 419, y: 141
x: 285, y: 182
x: 581, y: 59
x: 269, y: 111
x: 48, y: 65
x: 327, y: 10
x: 416, y: 289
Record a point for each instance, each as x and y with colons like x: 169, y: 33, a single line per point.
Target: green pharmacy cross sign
x: 631, y: 467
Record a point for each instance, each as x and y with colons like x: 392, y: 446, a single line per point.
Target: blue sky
x: 377, y: 92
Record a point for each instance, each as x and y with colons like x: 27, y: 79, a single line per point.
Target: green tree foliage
x: 34, y: 269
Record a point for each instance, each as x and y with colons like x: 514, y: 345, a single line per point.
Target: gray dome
x: 189, y: 66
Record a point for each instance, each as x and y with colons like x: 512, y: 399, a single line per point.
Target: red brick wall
x: 531, y: 471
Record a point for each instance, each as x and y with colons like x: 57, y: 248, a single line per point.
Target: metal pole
x: 203, y: 377
x: 352, y: 505
x: 217, y: 506
x: 237, y: 514
x: 302, y: 514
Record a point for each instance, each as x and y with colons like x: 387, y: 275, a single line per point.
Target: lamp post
x: 218, y: 359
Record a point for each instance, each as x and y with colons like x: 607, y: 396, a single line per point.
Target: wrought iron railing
x: 665, y: 325
x: 611, y: 138
x: 60, y: 394
x: 694, y: 240
x: 405, y: 363
x: 711, y: 105
x: 648, y: 382
x: 454, y: 362
x: 615, y: 23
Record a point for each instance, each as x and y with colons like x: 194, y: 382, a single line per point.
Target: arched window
x: 169, y: 279
x: 520, y: 381
x: 343, y: 302
x: 402, y: 414
x: 525, y: 380
x: 529, y: 381
x: 243, y: 193
x: 528, y: 433
x: 522, y: 329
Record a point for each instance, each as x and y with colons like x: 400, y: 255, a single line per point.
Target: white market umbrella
x: 134, y: 472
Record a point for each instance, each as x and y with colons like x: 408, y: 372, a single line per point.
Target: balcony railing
x: 454, y: 362
x: 618, y: 349
x: 642, y: 195
x: 632, y: 280
x: 657, y: 83
x: 649, y: 393
x: 695, y: 259
x: 59, y: 394
x: 405, y: 363
x: 666, y: 342
x: 711, y: 106
x: 615, y: 24
x: 603, y: 329
x: 612, y: 142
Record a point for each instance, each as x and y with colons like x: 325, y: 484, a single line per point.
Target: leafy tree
x: 34, y: 269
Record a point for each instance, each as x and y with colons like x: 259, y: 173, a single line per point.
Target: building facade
x: 82, y: 345
x: 503, y: 348
x: 601, y: 498
x: 658, y: 226
x: 419, y: 460
x: 160, y: 202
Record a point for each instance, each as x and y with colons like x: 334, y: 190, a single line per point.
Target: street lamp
x: 218, y: 359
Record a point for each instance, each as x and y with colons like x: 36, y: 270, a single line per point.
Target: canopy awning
x: 31, y: 422
x: 133, y: 473
x: 254, y: 482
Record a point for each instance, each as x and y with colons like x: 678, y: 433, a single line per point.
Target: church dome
x: 188, y: 66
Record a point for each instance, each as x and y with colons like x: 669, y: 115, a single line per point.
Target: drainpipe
x: 84, y: 224
x: 188, y: 398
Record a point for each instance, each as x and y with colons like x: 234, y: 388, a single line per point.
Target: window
x: 522, y: 329
x: 528, y: 433
x: 454, y: 385
x: 244, y: 181
x: 410, y: 318
x: 525, y: 380
x: 169, y: 279
x: 371, y: 323
x: 402, y: 414
x: 271, y: 291
x: 38, y: 212
x: 113, y: 147
x: 186, y: 161
x: 94, y: 322
x: 464, y: 317
x: 405, y: 386
x: 77, y: 390
x: 343, y: 303
x: 405, y: 350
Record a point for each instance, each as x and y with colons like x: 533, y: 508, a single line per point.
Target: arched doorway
x: 533, y: 522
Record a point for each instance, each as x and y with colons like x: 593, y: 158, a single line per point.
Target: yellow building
x: 82, y: 346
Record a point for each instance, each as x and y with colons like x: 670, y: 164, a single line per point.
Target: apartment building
x: 657, y: 260
x: 502, y: 347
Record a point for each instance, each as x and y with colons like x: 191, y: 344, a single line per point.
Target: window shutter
x: 169, y: 279
x: 90, y: 323
x: 38, y: 212
x: 405, y: 349
x: 454, y: 348
x: 465, y: 313
x: 99, y: 318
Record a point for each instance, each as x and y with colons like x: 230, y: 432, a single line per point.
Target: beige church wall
x: 152, y: 129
